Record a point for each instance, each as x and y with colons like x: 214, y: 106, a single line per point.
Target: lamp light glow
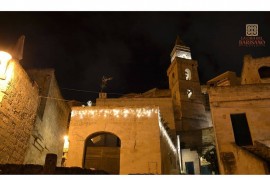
x: 4, y: 58
x: 66, y: 144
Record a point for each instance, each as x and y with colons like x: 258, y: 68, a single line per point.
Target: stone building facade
x: 156, y: 132
x: 31, y: 124
x: 192, y: 120
x: 143, y: 147
x: 240, y: 110
x: 19, y: 100
x: 183, y: 108
x: 51, y: 121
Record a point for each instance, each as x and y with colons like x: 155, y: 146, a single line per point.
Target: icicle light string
x: 138, y: 112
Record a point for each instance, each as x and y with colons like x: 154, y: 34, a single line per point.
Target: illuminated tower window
x: 189, y: 93
x: 188, y: 74
x: 183, y: 54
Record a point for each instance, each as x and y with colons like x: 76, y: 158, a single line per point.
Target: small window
x: 188, y: 74
x: 189, y: 93
x: 241, y: 130
x: 264, y: 72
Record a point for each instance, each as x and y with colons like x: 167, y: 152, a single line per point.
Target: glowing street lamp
x: 4, y: 59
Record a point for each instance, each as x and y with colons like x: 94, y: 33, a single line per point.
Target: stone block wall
x: 18, y: 105
x: 52, y: 119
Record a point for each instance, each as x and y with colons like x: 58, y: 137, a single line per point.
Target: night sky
x: 132, y: 47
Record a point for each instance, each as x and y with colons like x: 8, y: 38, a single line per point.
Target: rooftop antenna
x: 104, y: 82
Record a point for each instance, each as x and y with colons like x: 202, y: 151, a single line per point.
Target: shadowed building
x: 240, y: 111
x: 52, y: 118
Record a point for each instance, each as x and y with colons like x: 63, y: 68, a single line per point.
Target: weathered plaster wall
x: 190, y: 156
x: 18, y: 105
x: 228, y: 78
x: 250, y: 74
x: 254, y: 100
x: 52, y: 119
x: 139, y: 135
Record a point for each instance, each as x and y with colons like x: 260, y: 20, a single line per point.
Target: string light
x: 125, y: 112
x: 165, y: 134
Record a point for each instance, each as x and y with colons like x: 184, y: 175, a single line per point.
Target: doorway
x: 102, y: 152
x: 190, y: 167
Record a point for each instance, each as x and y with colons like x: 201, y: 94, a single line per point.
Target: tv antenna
x: 104, y: 82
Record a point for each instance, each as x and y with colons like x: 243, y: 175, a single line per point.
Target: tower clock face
x: 184, y: 54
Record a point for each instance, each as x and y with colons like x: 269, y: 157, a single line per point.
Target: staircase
x: 260, y: 148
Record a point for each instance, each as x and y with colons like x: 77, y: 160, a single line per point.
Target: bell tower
x: 185, y: 88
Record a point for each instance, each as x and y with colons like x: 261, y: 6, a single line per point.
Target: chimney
x: 102, y: 95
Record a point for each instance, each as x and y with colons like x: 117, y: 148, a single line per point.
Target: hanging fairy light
x: 116, y: 112
x: 145, y: 112
x: 165, y: 134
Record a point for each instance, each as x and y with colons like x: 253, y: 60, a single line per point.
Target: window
x: 188, y: 74
x: 241, y: 130
x: 264, y: 72
x: 189, y: 93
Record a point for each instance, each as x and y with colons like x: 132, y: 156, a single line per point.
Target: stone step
x: 261, y: 149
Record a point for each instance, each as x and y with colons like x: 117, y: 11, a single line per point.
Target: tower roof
x: 178, y: 41
x: 178, y: 47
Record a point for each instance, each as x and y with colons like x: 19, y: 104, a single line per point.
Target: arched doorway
x: 102, y: 152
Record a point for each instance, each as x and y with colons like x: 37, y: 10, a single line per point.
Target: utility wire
x: 80, y: 90
x: 58, y: 99
x: 47, y: 97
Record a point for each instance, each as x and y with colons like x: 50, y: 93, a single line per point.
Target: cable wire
x: 80, y: 90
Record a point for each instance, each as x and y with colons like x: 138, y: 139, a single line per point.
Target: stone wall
x: 165, y: 105
x: 18, y: 105
x: 137, y: 128
x: 52, y: 119
x: 250, y: 72
x: 254, y: 101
